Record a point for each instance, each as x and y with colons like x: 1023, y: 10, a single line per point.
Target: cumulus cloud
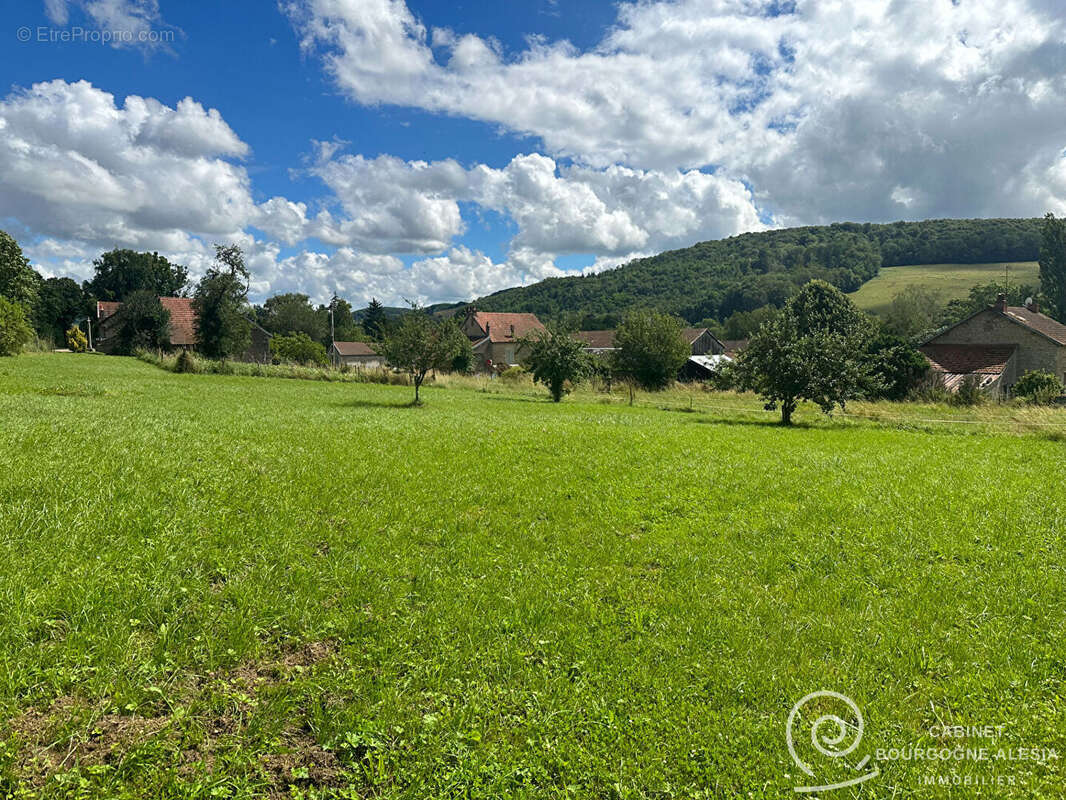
x: 829, y: 110
x: 137, y: 20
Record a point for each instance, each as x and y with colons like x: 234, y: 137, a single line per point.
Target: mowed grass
x: 951, y: 281
x: 246, y: 587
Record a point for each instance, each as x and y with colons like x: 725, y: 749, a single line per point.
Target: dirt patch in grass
x: 76, y: 733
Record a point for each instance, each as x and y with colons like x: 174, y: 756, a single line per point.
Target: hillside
x: 949, y: 281
x: 717, y: 278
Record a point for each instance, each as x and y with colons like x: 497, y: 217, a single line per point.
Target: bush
x: 299, y: 348
x: 76, y: 340
x: 186, y: 363
x: 513, y: 374
x: 930, y: 389
x: 15, y: 330
x: 1038, y: 387
x: 969, y: 392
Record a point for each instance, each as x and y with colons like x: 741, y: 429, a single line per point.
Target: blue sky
x: 477, y: 145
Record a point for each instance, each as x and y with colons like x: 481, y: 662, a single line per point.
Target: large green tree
x: 119, y: 273
x: 220, y: 302
x: 18, y: 280
x: 294, y: 313
x: 141, y: 322
x: 375, y: 323
x: 555, y: 358
x: 1053, y: 266
x: 61, y: 301
x: 345, y: 328
x: 421, y: 344
x: 651, y: 349
x: 813, y: 350
x: 15, y: 330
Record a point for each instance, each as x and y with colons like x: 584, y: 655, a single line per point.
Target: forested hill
x: 741, y: 273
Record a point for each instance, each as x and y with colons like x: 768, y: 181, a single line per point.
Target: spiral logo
x: 832, y: 735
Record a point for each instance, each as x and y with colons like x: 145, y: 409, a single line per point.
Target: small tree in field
x: 554, y: 358
x: 651, y: 349
x: 15, y: 330
x: 813, y: 350
x: 422, y: 344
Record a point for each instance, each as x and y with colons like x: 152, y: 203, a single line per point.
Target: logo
x: 833, y: 736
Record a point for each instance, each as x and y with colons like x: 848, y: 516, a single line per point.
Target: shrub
x: 513, y: 374
x: 969, y: 392
x: 15, y: 330
x: 299, y: 348
x: 76, y: 340
x: 930, y: 389
x: 186, y: 363
x: 1038, y: 387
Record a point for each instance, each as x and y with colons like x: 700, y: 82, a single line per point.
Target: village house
x: 700, y: 340
x: 182, y: 329
x: 997, y: 346
x: 495, y: 337
x: 355, y: 354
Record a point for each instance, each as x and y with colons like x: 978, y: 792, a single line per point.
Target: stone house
x: 998, y: 345
x: 495, y: 337
x: 355, y: 354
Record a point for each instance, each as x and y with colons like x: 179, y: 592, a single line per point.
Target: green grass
x: 950, y: 280
x: 224, y: 586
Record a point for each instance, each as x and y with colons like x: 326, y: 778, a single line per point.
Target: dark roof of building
x: 733, y: 346
x: 105, y: 308
x: 969, y: 359
x: 1041, y: 323
x: 692, y: 334
x: 502, y: 328
x: 355, y: 349
x: 596, y: 340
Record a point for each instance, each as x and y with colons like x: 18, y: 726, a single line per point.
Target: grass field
x: 243, y: 587
x: 950, y: 280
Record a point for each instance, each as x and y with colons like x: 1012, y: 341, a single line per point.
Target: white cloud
x: 824, y: 110
x: 135, y: 20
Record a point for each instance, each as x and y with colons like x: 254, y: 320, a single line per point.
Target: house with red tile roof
x: 182, y: 329
x: 495, y: 337
x: 997, y: 346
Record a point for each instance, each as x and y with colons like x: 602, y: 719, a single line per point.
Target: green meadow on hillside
x: 246, y: 587
x: 950, y: 280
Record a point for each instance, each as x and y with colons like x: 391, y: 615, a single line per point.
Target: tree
x: 1038, y: 388
x: 375, y: 323
x: 913, y: 311
x: 294, y: 313
x: 983, y: 296
x: 15, y: 330
x: 896, y: 366
x: 119, y: 273
x: 76, y: 340
x: 18, y: 280
x: 298, y: 348
x: 650, y: 350
x: 421, y: 344
x: 60, y: 302
x: 141, y: 322
x: 222, y: 330
x: 813, y: 350
x: 1053, y: 266
x: 554, y: 357
x: 344, y: 326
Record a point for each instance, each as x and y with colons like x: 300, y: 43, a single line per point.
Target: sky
x: 429, y: 151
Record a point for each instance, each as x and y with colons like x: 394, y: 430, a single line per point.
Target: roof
x: 1041, y: 323
x: 710, y: 362
x: 596, y: 340
x: 733, y: 346
x: 969, y: 359
x: 182, y: 319
x: 692, y: 334
x: 503, y: 328
x: 354, y: 349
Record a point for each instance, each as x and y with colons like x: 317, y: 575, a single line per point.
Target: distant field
x: 950, y: 280
x: 222, y: 586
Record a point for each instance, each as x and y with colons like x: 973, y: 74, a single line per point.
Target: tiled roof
x: 596, y: 340
x: 733, y: 346
x: 1041, y: 323
x: 182, y: 320
x: 504, y: 328
x: 355, y: 349
x: 967, y: 359
x: 105, y: 309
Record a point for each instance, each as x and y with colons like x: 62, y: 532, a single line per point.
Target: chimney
x: 1033, y: 305
x: 1001, y: 302
x: 512, y: 331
